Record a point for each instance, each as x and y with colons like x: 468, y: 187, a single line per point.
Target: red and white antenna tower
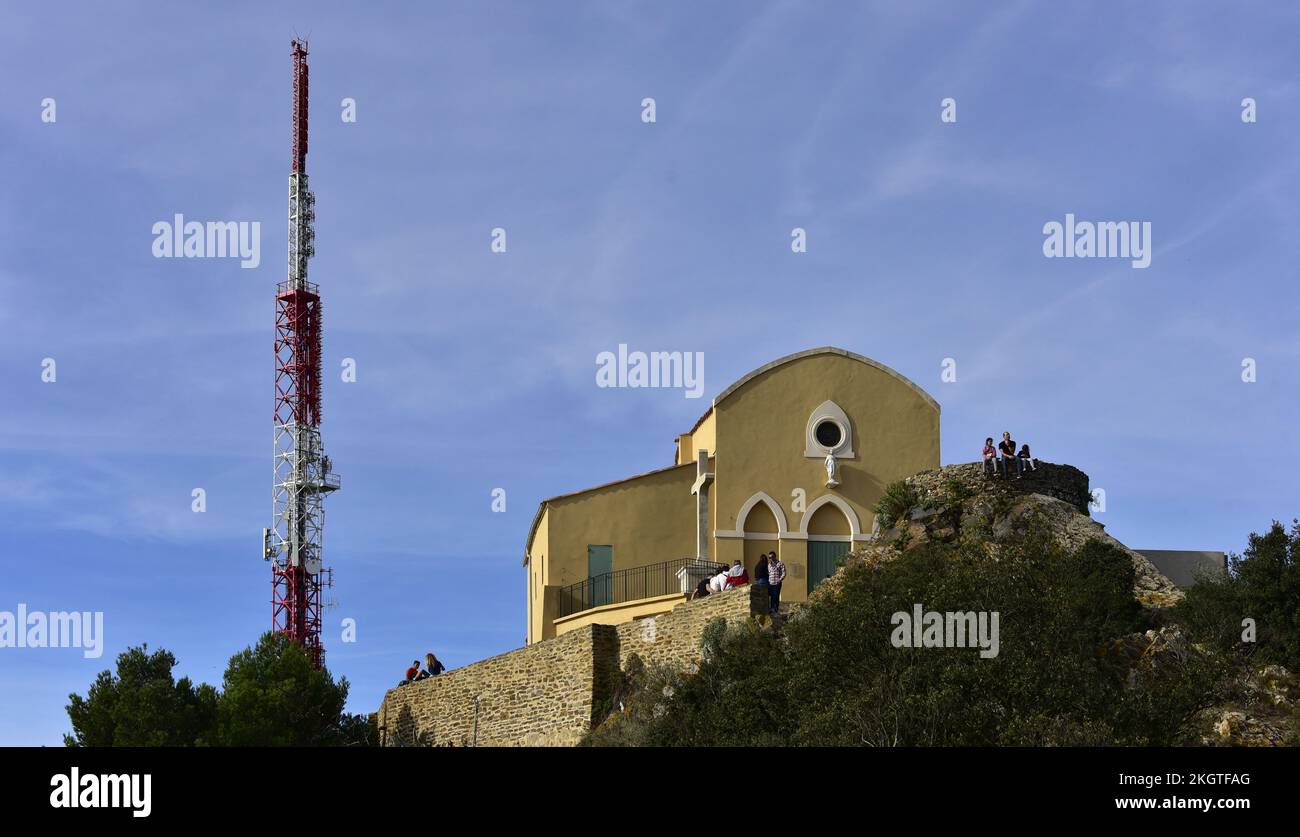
x: 302, y: 472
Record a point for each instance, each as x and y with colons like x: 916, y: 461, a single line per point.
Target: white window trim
x: 828, y: 410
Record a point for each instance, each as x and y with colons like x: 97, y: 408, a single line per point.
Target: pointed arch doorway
x: 830, y: 538
x: 762, y: 533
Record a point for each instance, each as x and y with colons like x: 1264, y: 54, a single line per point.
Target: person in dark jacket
x: 1007, y: 447
x: 760, y: 570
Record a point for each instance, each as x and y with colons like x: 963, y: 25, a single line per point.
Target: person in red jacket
x: 413, y: 672
x: 737, y: 576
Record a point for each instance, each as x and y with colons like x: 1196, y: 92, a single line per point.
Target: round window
x: 829, y: 434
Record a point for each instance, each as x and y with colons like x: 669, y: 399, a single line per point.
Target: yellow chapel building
x: 791, y: 458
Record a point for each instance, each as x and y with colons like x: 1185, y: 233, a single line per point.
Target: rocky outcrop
x: 1064, y: 482
x: 1150, y: 651
x: 962, y: 502
x: 1073, y: 530
x: 1266, y: 715
x: 1263, y: 713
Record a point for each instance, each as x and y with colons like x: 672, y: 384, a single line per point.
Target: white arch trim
x: 855, y: 528
x: 782, y: 525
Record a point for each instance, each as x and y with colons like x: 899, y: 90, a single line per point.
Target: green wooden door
x: 824, y: 559
x: 600, y: 563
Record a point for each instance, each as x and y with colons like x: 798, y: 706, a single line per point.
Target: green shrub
x: 899, y: 499
x: 834, y: 678
x: 1000, y: 505
x: 955, y: 492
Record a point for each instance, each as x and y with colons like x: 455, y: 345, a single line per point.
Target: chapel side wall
x: 648, y: 520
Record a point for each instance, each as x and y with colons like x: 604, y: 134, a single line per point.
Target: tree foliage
x: 1263, y: 585
x: 271, y: 696
x: 142, y: 705
x: 834, y: 678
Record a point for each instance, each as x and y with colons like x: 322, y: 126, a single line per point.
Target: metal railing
x: 635, y: 583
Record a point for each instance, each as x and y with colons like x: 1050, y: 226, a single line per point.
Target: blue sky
x: 476, y: 370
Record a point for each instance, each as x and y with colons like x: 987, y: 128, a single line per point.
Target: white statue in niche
x: 832, y: 468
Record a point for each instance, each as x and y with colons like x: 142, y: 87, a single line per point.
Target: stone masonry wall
x: 540, y: 694
x: 547, y: 694
x: 673, y: 639
x: 1064, y: 482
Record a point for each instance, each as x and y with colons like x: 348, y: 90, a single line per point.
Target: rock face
x: 1072, y: 531
x: 962, y: 502
x: 1263, y: 713
x: 959, y: 504
x: 1266, y: 715
x: 1064, y: 482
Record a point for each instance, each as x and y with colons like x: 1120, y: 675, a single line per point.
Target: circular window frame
x: 832, y: 412
x: 839, y: 428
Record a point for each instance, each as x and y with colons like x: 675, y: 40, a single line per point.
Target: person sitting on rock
x: 1026, y: 459
x: 990, y: 458
x: 701, y: 589
x: 1007, y: 447
x: 413, y: 672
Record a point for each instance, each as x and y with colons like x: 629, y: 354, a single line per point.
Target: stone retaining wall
x: 541, y: 694
x: 673, y: 639
x: 547, y: 693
